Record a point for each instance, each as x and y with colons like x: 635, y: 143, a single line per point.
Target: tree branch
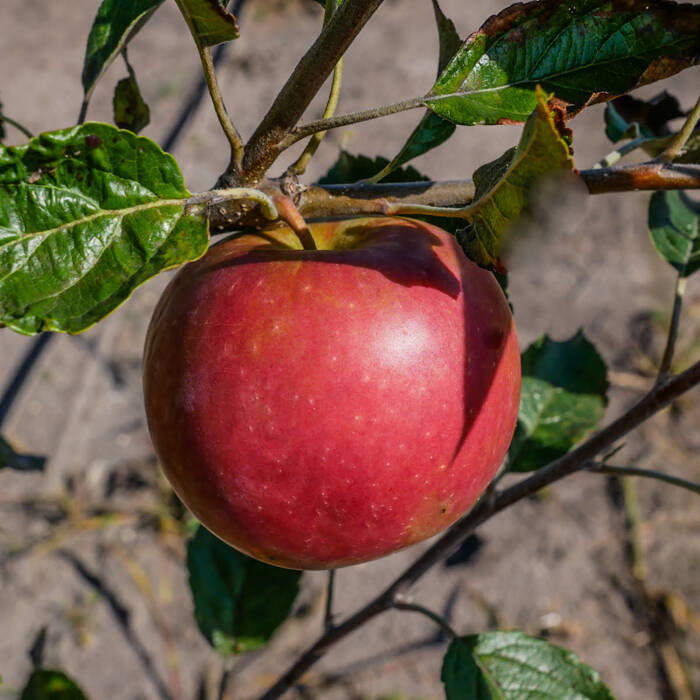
x: 303, y: 84
x: 659, y: 397
x: 603, y: 468
x: 362, y: 199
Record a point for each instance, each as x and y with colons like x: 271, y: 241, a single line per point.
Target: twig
x: 303, y: 84
x: 674, y: 148
x: 363, y: 199
x: 651, y: 403
x: 618, y: 153
x: 232, y: 135
x: 17, y: 125
x: 437, y: 619
x: 598, y: 468
x: 190, y: 107
x: 667, y: 359
x: 365, y: 115
x: 299, y: 166
x: 328, y: 614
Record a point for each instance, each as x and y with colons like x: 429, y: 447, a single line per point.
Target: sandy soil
x: 113, y: 596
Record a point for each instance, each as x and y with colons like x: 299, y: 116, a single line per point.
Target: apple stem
x: 291, y: 216
x: 328, y: 616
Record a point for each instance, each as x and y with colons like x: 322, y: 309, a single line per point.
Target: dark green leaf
x: 349, y: 168
x: 238, y: 601
x: 11, y: 459
x: 629, y: 117
x: 432, y: 130
x: 130, y: 111
x: 513, y: 666
x: 582, y: 52
x: 116, y: 23
x: 502, y: 187
x: 209, y: 21
x: 674, y: 225
x: 563, y: 396
x: 51, y: 685
x: 87, y: 214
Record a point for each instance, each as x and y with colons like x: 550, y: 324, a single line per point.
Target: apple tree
x: 90, y: 212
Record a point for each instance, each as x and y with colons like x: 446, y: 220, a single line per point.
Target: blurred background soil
x: 92, y: 550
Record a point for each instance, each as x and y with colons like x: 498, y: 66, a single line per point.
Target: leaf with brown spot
x: 582, y: 53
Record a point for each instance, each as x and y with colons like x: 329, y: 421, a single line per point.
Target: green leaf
x: 116, y: 23
x: 209, y: 21
x: 502, y: 187
x: 11, y: 459
x: 432, y: 130
x: 562, y: 397
x: 582, y: 52
x: 44, y: 684
x: 130, y: 110
x: 349, y: 168
x: 513, y: 666
x: 87, y: 214
x: 238, y: 601
x: 674, y: 225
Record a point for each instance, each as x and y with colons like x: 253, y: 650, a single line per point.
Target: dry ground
x: 113, y: 594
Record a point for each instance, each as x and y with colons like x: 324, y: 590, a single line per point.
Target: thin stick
x: 437, y: 619
x: 230, y: 130
x: 597, y: 468
x: 667, y: 359
x: 651, y: 403
x: 673, y: 150
x: 232, y: 135
x: 17, y: 125
x: 328, y: 615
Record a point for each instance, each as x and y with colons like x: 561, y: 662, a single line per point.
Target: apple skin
x: 316, y: 409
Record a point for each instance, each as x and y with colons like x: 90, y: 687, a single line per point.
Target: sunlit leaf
x: 562, y: 397
x: 582, y: 52
x: 503, y: 186
x: 513, y: 666
x: 674, y: 226
x: 238, y: 601
x: 209, y: 21
x: 115, y: 25
x: 87, y: 214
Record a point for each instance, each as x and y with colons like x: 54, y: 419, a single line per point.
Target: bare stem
x: 667, y: 359
x: 598, y: 468
x: 437, y: 619
x: 673, y: 150
x: 656, y: 399
x: 363, y: 199
x: 303, y: 84
x: 324, y: 125
x: 17, y: 125
x: 230, y: 130
x: 328, y: 615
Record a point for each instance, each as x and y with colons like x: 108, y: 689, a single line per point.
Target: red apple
x: 319, y: 408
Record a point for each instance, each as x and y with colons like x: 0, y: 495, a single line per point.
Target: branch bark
x: 659, y: 397
x: 303, y: 84
x: 361, y: 199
